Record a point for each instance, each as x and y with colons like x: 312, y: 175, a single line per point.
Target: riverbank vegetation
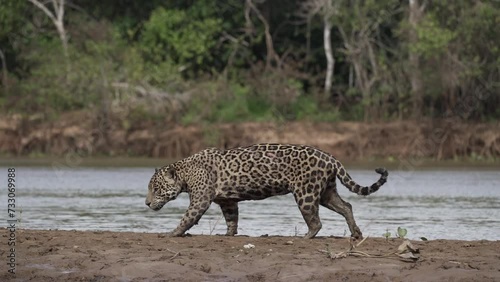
x: 191, y: 62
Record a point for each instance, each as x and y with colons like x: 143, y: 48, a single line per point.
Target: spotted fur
x: 227, y: 177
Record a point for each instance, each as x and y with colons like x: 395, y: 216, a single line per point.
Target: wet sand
x: 124, y: 256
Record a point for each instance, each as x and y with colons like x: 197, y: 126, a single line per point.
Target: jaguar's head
x: 163, y: 187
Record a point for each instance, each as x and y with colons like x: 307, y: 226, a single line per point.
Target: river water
x: 437, y: 204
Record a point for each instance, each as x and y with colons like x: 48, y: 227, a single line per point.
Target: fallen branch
x: 406, y: 252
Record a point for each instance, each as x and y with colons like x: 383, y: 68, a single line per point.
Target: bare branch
x: 249, y: 25
x: 326, y: 9
x: 60, y: 14
x: 45, y: 9
x: 361, y: 48
x: 414, y: 59
x: 373, y: 60
x: 271, y: 54
x: 4, y: 72
x: 423, y: 6
x: 310, y: 8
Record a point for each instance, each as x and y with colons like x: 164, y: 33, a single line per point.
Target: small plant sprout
x: 402, y: 232
x: 387, y: 234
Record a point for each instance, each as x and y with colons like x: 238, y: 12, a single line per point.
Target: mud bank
x: 83, y: 134
x: 111, y: 256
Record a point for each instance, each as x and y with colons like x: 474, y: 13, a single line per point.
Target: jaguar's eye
x: 155, y: 190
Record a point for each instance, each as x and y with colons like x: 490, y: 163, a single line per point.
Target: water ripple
x: 433, y: 204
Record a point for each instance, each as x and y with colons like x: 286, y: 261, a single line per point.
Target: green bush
x: 226, y: 103
x: 174, y: 36
x: 51, y: 88
x: 307, y: 108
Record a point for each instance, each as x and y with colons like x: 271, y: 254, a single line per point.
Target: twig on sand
x: 350, y: 252
x: 406, y: 252
x: 175, y: 254
x: 212, y: 228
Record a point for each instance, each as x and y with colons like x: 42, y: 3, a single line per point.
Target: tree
x: 415, y: 16
x: 57, y: 18
x: 11, y: 22
x: 360, y: 28
x: 327, y: 9
x: 271, y: 53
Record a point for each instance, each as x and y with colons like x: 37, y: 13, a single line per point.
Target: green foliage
x: 243, y: 103
x: 52, y: 88
x: 235, y: 105
x: 217, y: 53
x: 211, y: 135
x: 173, y: 35
x: 307, y: 108
x: 479, y: 35
x: 140, y: 113
x: 10, y: 16
x: 433, y: 40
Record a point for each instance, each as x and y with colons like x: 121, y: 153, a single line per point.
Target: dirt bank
x: 81, y: 133
x: 110, y: 256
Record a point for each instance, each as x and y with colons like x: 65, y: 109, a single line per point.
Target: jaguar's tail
x: 346, y: 179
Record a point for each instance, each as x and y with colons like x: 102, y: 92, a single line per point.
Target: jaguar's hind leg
x: 331, y: 200
x: 309, y: 207
x: 230, y: 212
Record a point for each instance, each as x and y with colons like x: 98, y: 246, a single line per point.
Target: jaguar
x: 256, y: 172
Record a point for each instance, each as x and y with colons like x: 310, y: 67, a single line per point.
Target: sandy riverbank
x: 112, y: 256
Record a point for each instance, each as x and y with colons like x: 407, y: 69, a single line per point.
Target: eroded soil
x: 81, y: 134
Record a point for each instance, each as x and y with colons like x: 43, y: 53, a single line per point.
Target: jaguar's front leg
x: 230, y: 211
x: 199, y: 204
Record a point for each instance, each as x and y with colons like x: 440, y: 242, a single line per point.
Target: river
x: 442, y: 203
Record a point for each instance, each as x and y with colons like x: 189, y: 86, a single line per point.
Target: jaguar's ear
x: 156, y: 170
x: 171, y: 173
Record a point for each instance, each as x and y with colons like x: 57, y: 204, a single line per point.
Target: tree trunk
x: 64, y: 39
x: 414, y: 60
x: 308, y: 41
x: 327, y: 10
x: 4, y: 73
x: 271, y: 54
x: 329, y: 54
